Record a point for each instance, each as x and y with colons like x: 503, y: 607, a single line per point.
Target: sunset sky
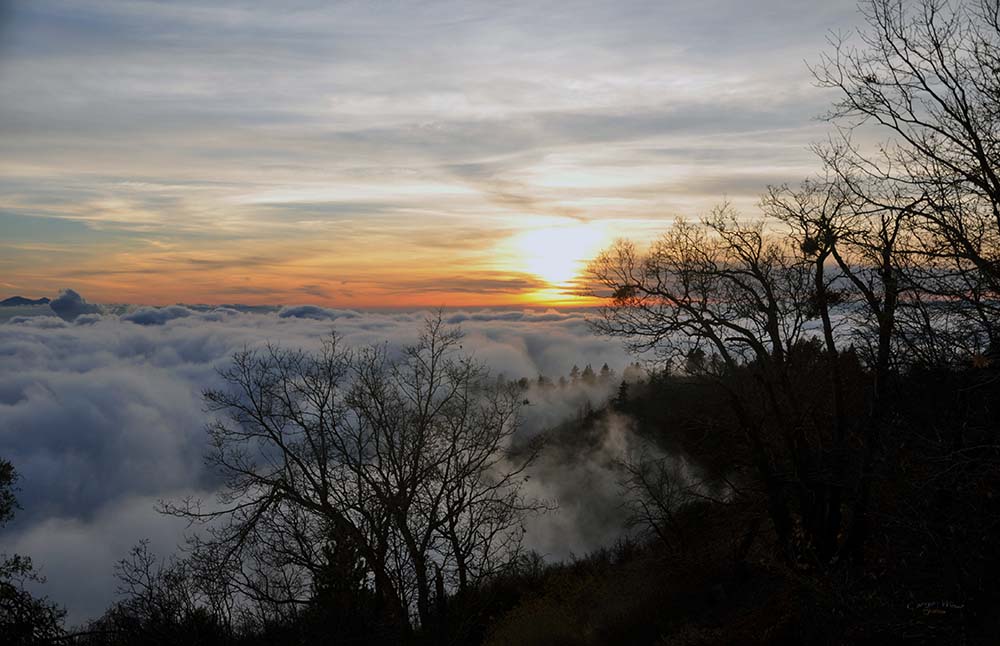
x: 383, y: 153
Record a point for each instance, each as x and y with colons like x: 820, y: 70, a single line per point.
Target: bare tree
x: 732, y: 289
x: 405, y: 458
x: 816, y: 214
x: 657, y: 488
x: 723, y: 285
x: 866, y: 238
x: 926, y: 73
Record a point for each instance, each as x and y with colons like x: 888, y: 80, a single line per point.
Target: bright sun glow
x: 559, y: 254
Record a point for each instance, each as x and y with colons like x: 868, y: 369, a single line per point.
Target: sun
x: 558, y: 254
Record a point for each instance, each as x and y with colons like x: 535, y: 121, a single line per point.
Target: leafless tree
x: 861, y: 251
x: 657, y: 487
x: 733, y: 289
x: 927, y: 73
x: 722, y: 285
x: 405, y: 458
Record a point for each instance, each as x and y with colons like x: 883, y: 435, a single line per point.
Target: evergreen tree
x: 620, y: 399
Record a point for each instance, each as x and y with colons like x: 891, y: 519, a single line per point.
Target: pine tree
x: 621, y: 398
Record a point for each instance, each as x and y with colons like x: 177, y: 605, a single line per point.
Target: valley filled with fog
x: 103, y: 417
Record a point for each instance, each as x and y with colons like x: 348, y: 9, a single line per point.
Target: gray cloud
x: 38, y: 321
x: 76, y: 554
x: 314, y: 312
x: 156, y: 315
x: 69, y: 305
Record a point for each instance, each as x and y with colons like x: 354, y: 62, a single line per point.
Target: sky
x: 383, y: 154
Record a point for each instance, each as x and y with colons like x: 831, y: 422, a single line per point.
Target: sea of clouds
x: 101, y: 414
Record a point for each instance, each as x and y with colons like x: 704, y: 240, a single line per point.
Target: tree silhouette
x: 925, y: 74
x: 406, y: 461
x: 732, y: 288
x: 24, y: 618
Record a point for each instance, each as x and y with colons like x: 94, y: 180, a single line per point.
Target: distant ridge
x: 21, y: 300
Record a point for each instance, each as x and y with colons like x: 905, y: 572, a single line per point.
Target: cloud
x: 39, y: 321
x: 104, y: 416
x: 314, y: 312
x: 517, y: 315
x: 583, y: 478
x: 77, y: 555
x: 156, y: 315
x: 69, y: 305
x: 219, y: 313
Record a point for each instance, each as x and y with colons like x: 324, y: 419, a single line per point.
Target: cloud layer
x: 102, y: 416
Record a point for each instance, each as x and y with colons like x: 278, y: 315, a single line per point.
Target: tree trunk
x: 860, y: 527
x: 831, y: 518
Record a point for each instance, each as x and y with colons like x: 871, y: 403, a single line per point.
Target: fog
x: 101, y: 414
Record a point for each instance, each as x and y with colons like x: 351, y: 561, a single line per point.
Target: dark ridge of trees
x: 820, y: 322
x: 888, y: 261
x: 590, y: 377
x: 714, y: 575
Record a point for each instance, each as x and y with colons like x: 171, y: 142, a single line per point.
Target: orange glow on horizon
x: 539, y: 266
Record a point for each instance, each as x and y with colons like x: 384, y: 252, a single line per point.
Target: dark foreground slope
x: 929, y: 573
x: 714, y: 573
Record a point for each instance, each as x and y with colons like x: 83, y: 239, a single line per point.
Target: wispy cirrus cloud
x: 349, y: 136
